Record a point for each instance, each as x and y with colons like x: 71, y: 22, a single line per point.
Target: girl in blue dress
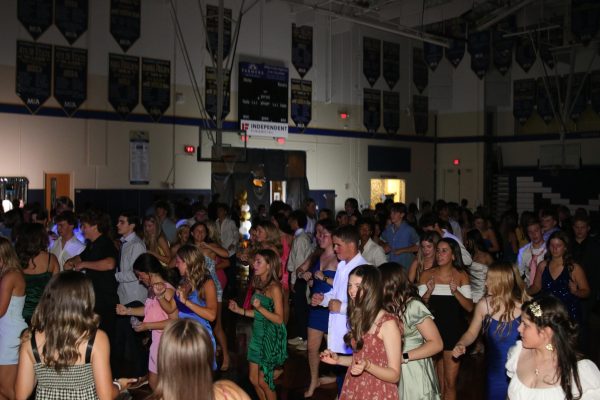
x: 499, y: 313
x: 323, y: 265
x: 197, y: 294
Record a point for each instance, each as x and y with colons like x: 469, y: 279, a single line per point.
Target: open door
x: 55, y: 185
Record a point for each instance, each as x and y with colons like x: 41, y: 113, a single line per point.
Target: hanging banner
x: 391, y: 112
x: 301, y: 102
x: 371, y: 109
x: 302, y: 48
x: 70, y: 78
x: 594, y: 81
x: 35, y: 15
x: 34, y: 74
x: 421, y: 114
x: 123, y: 83
x: 433, y: 55
x: 577, y: 105
x: 548, y: 39
x: 210, y: 92
x: 479, y: 49
x: 525, y: 53
x: 125, y: 22
x: 212, y: 30
x: 371, y: 59
x: 139, y: 158
x: 544, y: 103
x: 585, y: 18
x: 420, y: 72
x: 523, y: 99
x: 263, y: 99
x: 156, y: 86
x: 503, y: 46
x: 391, y: 63
x: 457, y: 32
x: 71, y: 18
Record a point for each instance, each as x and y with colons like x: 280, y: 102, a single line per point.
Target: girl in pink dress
x: 158, y: 309
x: 375, y: 337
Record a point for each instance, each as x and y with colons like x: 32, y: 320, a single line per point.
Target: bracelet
x: 118, y: 385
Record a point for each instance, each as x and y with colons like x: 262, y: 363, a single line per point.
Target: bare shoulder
x: 227, y: 390
x: 426, y: 275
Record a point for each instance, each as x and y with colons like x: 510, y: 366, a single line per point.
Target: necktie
x: 123, y: 241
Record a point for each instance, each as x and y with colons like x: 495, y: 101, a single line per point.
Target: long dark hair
x: 32, y: 239
x: 363, y: 309
x: 567, y: 257
x: 548, y: 311
x: 475, y: 242
x: 457, y: 263
x: 397, y: 289
x: 65, y: 314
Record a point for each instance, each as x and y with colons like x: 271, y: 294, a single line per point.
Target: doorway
x: 55, y: 186
x: 382, y: 189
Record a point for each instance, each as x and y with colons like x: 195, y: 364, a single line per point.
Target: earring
x: 549, y: 347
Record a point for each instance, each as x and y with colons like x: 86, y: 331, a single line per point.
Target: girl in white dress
x: 545, y: 364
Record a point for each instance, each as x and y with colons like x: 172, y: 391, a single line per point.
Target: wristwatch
x: 405, y: 358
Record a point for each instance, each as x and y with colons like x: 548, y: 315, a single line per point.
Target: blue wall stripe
x: 234, y: 125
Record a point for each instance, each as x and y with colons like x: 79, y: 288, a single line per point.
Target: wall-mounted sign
x: 263, y: 99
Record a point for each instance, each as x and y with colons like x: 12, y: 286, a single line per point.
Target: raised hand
x: 329, y: 357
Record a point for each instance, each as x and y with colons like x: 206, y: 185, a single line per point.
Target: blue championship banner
x: 371, y: 109
x: 391, y: 112
x: 34, y: 74
x: 421, y: 114
x: 71, y: 18
x: 523, y: 99
x: 125, y: 22
x: 301, y: 102
x: 70, y: 77
x: 479, y: 49
x: 302, y: 48
x: 123, y: 83
x: 156, y: 86
x: 391, y: 63
x: 371, y: 59
x: 420, y: 71
x: 35, y: 15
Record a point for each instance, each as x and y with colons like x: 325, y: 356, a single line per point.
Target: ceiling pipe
x: 501, y: 13
x: 397, y: 30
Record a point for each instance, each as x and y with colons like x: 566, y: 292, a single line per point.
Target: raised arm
x: 473, y: 331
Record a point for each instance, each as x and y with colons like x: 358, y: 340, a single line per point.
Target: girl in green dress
x: 268, y: 347
x: 421, y: 338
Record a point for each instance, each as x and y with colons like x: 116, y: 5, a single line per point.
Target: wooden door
x: 56, y: 185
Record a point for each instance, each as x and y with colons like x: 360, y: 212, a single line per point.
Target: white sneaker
x: 295, y: 341
x: 302, y: 346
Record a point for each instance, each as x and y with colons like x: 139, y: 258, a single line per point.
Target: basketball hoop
x: 229, y: 161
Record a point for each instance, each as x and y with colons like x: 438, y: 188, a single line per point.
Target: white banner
x: 264, y: 128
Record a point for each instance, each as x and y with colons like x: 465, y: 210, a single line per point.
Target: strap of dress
x: 90, y: 345
x: 34, y: 348
x: 384, y: 318
x: 49, y: 259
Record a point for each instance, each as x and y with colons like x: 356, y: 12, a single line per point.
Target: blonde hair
x: 213, y: 232
x: 193, y: 258
x: 273, y: 236
x: 8, y: 257
x: 151, y: 241
x: 65, y: 314
x: 507, y: 292
x: 185, y: 357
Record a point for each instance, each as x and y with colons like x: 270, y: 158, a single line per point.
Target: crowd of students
x: 391, y: 297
